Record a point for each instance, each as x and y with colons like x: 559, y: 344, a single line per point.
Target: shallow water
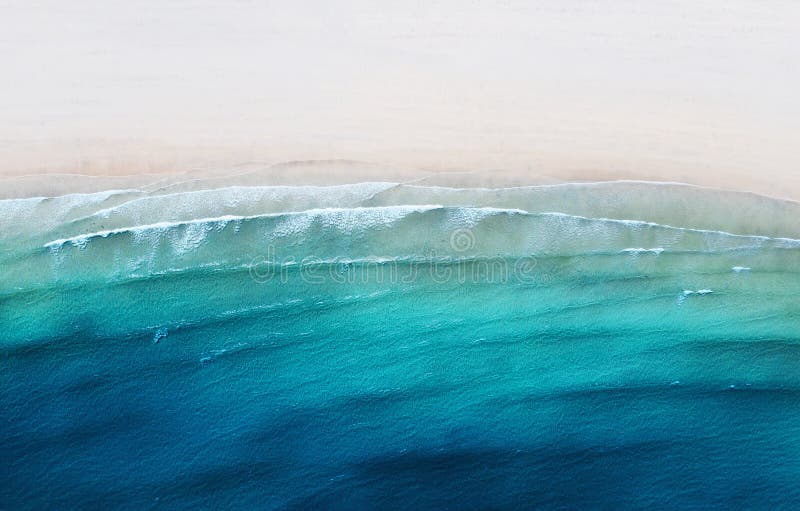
x: 380, y: 346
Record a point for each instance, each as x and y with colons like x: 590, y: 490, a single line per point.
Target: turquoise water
x: 381, y: 346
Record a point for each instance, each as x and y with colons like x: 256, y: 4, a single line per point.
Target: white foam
x: 160, y: 334
x: 688, y: 292
x: 348, y: 219
x: 231, y: 196
x: 81, y: 240
x: 71, y: 198
x: 342, y: 218
x: 640, y: 223
x: 655, y: 251
x: 609, y: 183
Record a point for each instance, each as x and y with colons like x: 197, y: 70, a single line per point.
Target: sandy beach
x: 123, y: 94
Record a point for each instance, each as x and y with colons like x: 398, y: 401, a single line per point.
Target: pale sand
x: 459, y: 94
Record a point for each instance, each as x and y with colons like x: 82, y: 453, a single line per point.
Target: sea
x: 619, y: 345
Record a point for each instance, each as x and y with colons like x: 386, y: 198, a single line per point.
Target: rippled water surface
x: 380, y: 346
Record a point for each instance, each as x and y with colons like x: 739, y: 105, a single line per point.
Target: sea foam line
x: 82, y: 239
x: 238, y: 192
x: 472, y: 214
x: 642, y: 223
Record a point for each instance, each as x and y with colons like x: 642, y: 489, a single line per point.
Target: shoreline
x: 340, y: 172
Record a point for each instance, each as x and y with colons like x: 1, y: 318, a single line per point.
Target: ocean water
x: 383, y: 346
